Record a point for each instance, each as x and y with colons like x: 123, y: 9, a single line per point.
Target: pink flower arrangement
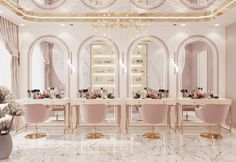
x: 10, y: 108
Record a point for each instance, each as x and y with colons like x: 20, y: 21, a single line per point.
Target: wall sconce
x: 176, y: 68
x: 72, y: 68
x: 122, y: 64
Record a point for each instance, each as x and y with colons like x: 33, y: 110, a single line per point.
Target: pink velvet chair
x: 36, y: 114
x: 94, y: 114
x: 212, y: 114
x: 154, y: 114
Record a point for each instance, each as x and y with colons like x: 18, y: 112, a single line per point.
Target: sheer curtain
x: 47, y: 50
x: 5, y: 66
x: 10, y: 37
x: 38, y: 69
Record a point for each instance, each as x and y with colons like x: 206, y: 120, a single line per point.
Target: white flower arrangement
x: 5, y: 95
x: 11, y: 108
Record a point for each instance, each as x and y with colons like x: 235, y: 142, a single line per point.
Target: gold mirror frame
x: 148, y: 7
x: 49, y: 7
x: 197, y: 7
x: 88, y: 4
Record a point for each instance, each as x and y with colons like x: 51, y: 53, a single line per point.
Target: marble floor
x: 116, y: 147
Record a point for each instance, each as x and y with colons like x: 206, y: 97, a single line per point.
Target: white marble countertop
x: 45, y: 101
x: 189, y: 101
x: 82, y: 101
x: 168, y: 101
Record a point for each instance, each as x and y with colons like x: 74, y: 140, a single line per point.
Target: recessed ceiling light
x: 97, y: 46
x: 62, y: 25
x: 183, y: 25
x: 22, y: 25
x: 216, y: 25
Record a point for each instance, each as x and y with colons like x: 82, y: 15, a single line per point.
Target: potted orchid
x: 9, y: 109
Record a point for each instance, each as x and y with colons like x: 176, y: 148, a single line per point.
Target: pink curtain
x: 47, y: 50
x: 9, y: 35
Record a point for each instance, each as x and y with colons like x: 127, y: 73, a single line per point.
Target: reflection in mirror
x: 198, y: 3
x: 98, y: 4
x: 98, y: 67
x: 47, y: 67
x: 197, y: 65
x: 147, y: 67
x: 99, y: 71
x: 47, y: 4
x: 148, y: 63
x: 147, y: 4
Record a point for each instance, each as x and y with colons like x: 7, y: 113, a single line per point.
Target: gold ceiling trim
x: 114, y: 17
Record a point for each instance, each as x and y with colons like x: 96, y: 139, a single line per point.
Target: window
x: 5, y: 66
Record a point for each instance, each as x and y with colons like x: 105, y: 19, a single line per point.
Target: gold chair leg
x: 94, y: 135
x: 211, y: 135
x: 35, y: 135
x: 152, y: 135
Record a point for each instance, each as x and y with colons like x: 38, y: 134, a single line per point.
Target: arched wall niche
x: 67, y: 57
x: 181, y: 54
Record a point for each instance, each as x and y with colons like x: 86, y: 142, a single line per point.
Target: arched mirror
x: 198, y: 4
x: 98, y: 69
x: 98, y: 4
x: 148, y: 68
x: 147, y: 4
x: 48, y: 69
x: 198, y: 65
x: 48, y: 4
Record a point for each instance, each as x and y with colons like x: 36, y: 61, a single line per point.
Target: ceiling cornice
x: 113, y: 17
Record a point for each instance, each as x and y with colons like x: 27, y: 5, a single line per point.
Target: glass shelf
x: 103, y: 72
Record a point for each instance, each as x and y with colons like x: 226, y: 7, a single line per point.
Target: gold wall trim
x: 114, y: 17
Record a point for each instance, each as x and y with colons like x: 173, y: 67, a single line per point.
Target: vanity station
x: 75, y: 104
x: 199, y: 102
x: 130, y: 102
x: 52, y: 103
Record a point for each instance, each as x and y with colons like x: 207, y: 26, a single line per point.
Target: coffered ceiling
x: 118, y: 10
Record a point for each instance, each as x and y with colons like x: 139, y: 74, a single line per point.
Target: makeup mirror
x: 98, y: 4
x: 48, y: 4
x: 148, y: 68
x: 147, y: 4
x: 49, y: 66
x: 98, y: 70
x: 147, y: 65
x: 198, y: 66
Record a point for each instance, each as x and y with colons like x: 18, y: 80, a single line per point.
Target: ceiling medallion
x: 48, y: 4
x: 147, y: 4
x: 197, y: 4
x: 98, y: 4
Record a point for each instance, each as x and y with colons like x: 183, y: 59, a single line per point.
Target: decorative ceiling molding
x: 98, y: 7
x: 156, y: 4
x: 196, y: 6
x: 114, y: 17
x: 47, y: 6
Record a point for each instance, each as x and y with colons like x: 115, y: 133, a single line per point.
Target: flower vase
x: 6, y: 146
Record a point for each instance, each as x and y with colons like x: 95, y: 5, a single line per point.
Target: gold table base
x: 94, y: 135
x: 152, y: 135
x: 212, y: 136
x: 35, y: 136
